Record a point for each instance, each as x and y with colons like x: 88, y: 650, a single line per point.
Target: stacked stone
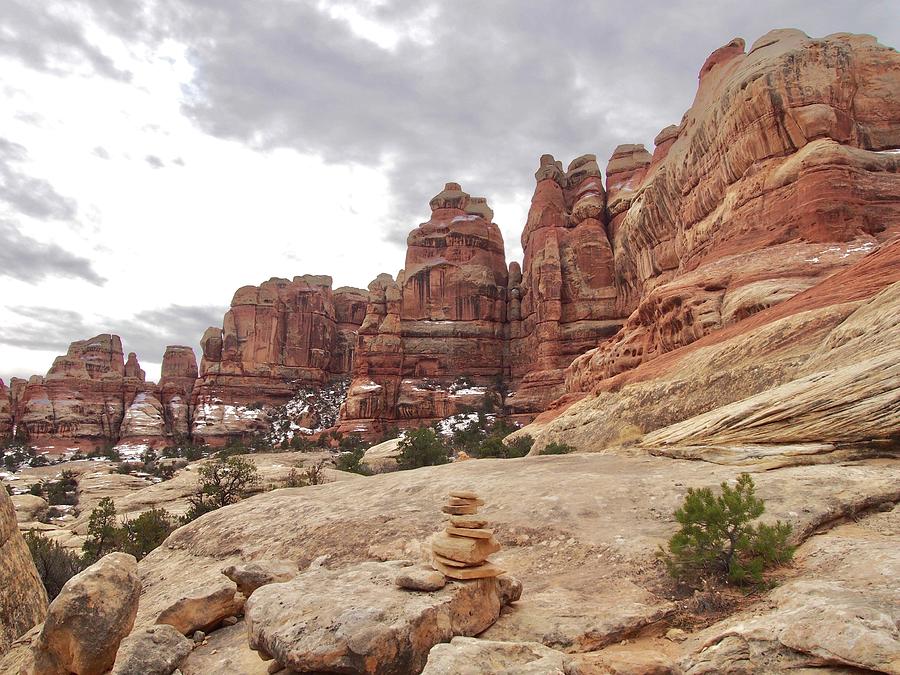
x: 461, y: 551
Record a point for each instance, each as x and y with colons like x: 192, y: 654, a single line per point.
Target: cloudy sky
x: 155, y: 155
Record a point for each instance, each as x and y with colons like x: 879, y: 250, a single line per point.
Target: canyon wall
x: 443, y: 318
x: 781, y: 174
x: 277, y: 337
x: 772, y: 181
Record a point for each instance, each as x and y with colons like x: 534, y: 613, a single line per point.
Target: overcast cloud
x: 215, y: 143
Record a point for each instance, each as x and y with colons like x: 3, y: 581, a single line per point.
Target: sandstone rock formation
x: 253, y: 575
x: 6, y: 417
x: 203, y: 608
x: 564, y: 299
x: 442, y: 317
x: 276, y: 337
x: 157, y: 650
x: 89, y: 618
x: 82, y: 400
x: 176, y: 384
x: 810, y: 379
x: 357, y: 620
x: 771, y: 182
x: 23, y: 600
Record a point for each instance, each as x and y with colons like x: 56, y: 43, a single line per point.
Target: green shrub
x: 351, y: 461
x: 103, y: 535
x: 313, y: 475
x: 422, y: 447
x: 717, y: 538
x: 55, y: 564
x: 494, y: 446
x: 222, y: 482
x: 555, y: 448
x: 62, y: 490
x: 143, y: 534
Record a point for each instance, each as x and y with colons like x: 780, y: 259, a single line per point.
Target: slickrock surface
x: 131, y: 500
x: 357, y: 620
x: 842, y: 612
x: 469, y: 656
x: 23, y: 600
x: 586, y: 542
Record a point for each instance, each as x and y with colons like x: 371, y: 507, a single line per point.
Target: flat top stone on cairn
x: 461, y: 550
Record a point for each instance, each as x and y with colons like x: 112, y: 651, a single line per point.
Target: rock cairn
x: 461, y: 550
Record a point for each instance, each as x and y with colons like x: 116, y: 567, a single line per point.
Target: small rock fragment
x: 421, y: 580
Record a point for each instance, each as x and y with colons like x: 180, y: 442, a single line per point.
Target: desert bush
x: 422, y: 447
x: 313, y: 475
x: 494, y: 447
x: 103, y: 535
x: 143, y: 534
x: 717, y: 537
x: 62, y: 490
x: 351, y: 461
x: 556, y: 448
x: 55, y: 564
x: 222, y: 482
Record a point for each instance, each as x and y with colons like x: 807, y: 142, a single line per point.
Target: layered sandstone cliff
x: 82, y: 400
x: 772, y: 181
x: 780, y: 175
x: 443, y: 318
x: 277, y: 337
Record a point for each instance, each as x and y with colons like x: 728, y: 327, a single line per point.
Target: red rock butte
x: 782, y: 173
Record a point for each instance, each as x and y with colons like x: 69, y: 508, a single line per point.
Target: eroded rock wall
x: 277, y: 337
x: 81, y: 402
x: 774, y: 180
x: 23, y: 600
x: 443, y: 318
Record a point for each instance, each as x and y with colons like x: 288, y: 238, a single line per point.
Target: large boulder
x: 89, y: 618
x: 30, y: 508
x: 203, y: 607
x: 357, y: 620
x: 157, y: 650
x: 23, y: 600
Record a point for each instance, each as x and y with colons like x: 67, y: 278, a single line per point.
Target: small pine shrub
x: 555, y: 448
x: 222, y: 482
x: 143, y: 534
x: 717, y: 537
x: 351, y: 461
x: 422, y: 447
x: 55, y: 564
